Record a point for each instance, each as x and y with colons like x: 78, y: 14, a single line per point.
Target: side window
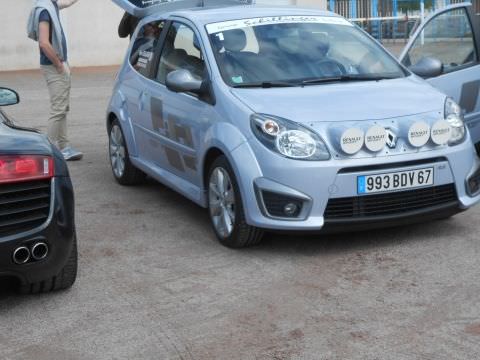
x: 143, y: 49
x: 181, y: 51
x: 448, y: 38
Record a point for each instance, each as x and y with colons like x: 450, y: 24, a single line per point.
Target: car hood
x: 15, y: 141
x: 353, y: 101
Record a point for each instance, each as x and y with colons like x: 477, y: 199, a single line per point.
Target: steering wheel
x: 331, y: 67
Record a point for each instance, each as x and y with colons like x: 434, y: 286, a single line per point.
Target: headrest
x: 234, y: 40
x: 322, y: 42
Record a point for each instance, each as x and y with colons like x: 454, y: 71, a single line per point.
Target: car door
x: 452, y: 35
x: 179, y: 120
x: 139, y: 81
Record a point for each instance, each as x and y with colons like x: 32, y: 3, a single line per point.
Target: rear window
x: 143, y: 49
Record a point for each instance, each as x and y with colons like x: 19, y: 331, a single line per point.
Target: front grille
x: 391, y: 203
x: 24, y: 206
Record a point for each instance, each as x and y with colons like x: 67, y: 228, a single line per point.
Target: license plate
x: 395, y: 181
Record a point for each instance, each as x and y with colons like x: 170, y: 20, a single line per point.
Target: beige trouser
x: 59, y: 88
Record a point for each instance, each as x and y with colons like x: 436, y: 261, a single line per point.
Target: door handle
x: 141, y: 100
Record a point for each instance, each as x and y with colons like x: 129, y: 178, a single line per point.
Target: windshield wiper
x: 322, y: 80
x: 346, y: 78
x: 266, y: 85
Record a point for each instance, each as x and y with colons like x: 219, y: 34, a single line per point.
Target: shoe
x: 70, y: 154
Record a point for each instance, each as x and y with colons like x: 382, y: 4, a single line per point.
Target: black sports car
x: 38, y: 244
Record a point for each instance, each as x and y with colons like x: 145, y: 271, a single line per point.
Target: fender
x: 234, y: 145
x: 118, y: 107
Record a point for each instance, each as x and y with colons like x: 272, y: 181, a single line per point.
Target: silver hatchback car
x: 285, y: 119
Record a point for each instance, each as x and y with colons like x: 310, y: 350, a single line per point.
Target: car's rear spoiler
x: 149, y: 7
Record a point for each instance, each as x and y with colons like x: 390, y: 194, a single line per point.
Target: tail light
x: 16, y: 168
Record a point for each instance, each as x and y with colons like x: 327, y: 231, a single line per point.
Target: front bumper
x: 58, y: 232
x: 379, y: 222
x: 258, y: 169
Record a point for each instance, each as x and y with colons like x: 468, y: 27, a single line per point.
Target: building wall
x: 313, y: 3
x: 92, y: 34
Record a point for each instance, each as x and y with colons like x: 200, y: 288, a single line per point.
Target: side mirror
x: 8, y: 97
x: 427, y: 67
x: 183, y: 81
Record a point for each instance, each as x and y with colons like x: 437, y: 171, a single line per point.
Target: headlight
x: 288, y: 138
x: 454, y: 116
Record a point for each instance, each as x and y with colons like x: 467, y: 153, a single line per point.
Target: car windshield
x: 297, y: 50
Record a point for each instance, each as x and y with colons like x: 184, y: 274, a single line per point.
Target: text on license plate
x: 395, y: 181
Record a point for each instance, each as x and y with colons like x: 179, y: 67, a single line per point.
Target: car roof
x: 207, y: 15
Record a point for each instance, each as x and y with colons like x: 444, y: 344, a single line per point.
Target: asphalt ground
x: 154, y: 283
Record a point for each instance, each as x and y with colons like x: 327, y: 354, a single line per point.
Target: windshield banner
x: 271, y: 20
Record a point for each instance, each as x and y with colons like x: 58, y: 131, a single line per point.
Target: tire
x: 226, y: 208
x: 122, y: 168
x: 64, y: 280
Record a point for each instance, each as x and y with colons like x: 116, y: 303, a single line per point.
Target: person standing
x: 46, y: 27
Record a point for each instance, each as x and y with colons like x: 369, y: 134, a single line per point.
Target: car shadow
x: 315, y: 244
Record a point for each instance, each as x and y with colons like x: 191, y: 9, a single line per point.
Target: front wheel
x: 123, y: 170
x: 226, y: 208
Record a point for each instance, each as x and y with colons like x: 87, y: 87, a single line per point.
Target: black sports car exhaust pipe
x: 39, y: 251
x: 21, y: 255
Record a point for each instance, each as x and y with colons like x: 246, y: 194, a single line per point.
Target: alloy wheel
x: 222, y: 202
x: 117, y: 151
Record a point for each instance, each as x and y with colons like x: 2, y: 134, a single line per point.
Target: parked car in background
x: 285, y: 119
x: 38, y: 244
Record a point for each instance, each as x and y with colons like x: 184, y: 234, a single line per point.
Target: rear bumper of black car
x: 58, y: 232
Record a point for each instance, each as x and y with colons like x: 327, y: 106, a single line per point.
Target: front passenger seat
x: 240, y: 63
